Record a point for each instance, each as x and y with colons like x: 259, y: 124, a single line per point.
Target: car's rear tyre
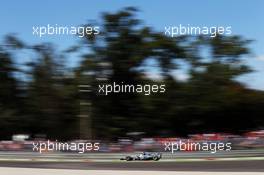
x: 155, y: 158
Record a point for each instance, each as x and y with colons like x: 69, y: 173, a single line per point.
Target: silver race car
x: 144, y: 156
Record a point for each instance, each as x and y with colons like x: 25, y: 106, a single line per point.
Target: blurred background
x: 49, y: 85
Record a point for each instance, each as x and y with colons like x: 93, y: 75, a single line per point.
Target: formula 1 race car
x: 144, y: 156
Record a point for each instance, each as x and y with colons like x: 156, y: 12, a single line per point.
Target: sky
x: 245, y: 17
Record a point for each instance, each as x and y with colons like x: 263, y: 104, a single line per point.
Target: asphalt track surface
x: 204, y: 166
x: 34, y: 171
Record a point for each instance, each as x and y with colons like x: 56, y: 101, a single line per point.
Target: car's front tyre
x: 128, y: 158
